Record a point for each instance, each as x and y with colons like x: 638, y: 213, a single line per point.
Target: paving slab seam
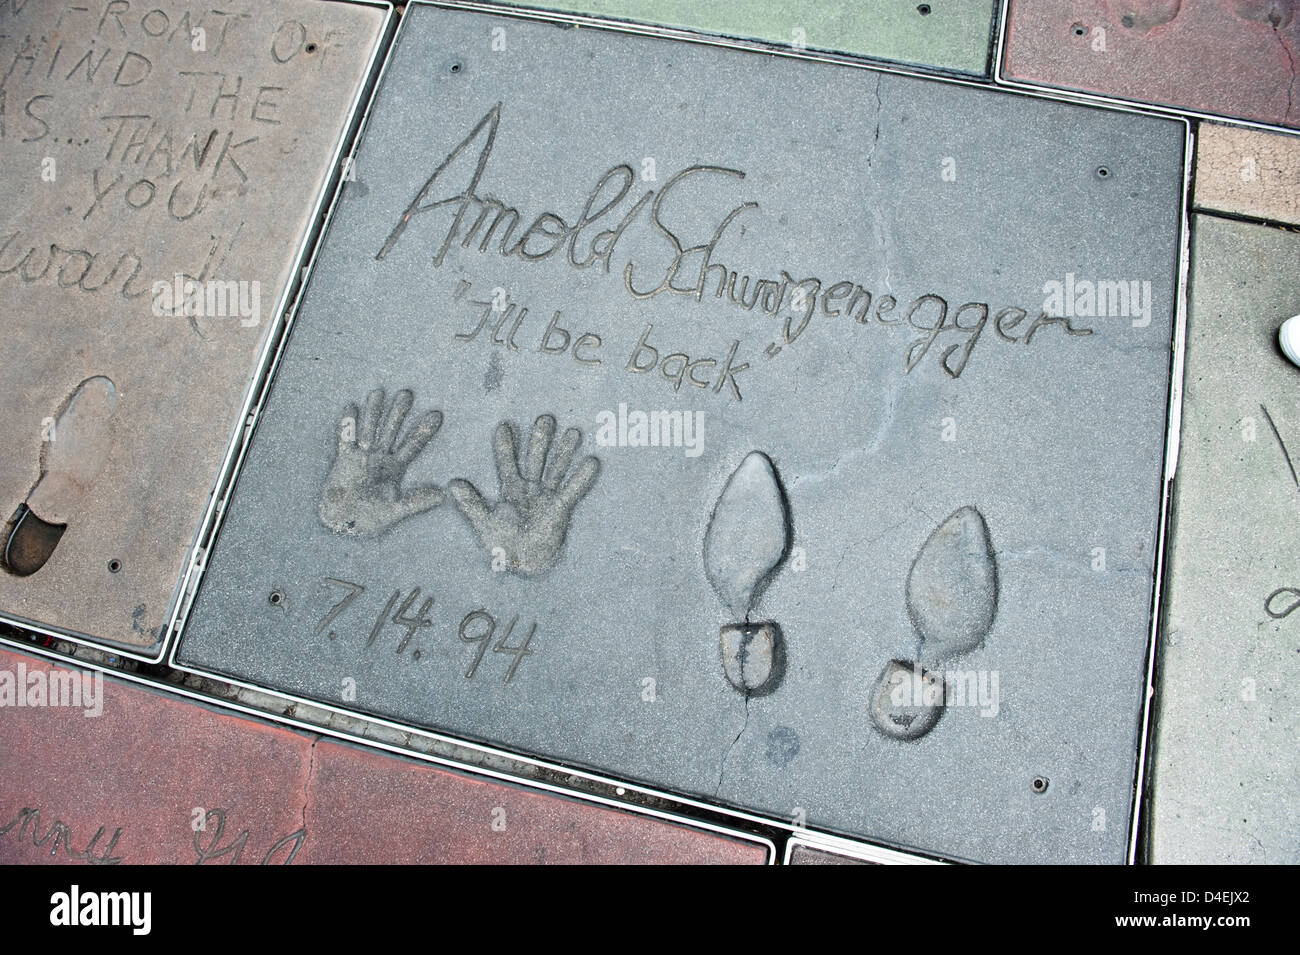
x: 837, y: 59
x: 850, y: 851
x: 576, y: 779
x: 524, y: 10
x: 1173, y: 433
x: 346, y: 771
x: 455, y: 753
x: 1242, y: 217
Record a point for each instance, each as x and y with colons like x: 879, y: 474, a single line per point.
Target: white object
x: 1288, y: 336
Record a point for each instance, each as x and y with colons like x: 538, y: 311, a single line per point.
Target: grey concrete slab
x: 144, y: 147
x: 1226, y: 776
x: 715, y: 612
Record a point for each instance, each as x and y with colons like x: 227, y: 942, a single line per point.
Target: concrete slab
x: 144, y: 147
x: 802, y: 854
x: 478, y: 821
x: 1227, y: 771
x: 156, y: 779
x: 448, y: 515
x: 1248, y: 172
x: 820, y: 849
x: 1233, y: 58
x: 948, y: 36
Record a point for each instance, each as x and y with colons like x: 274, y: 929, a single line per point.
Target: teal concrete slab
x: 950, y: 35
x: 1226, y: 779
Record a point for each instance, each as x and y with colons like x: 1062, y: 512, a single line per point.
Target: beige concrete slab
x: 1248, y: 172
x: 139, y: 142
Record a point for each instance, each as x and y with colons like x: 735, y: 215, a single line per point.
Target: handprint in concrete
x: 526, y: 527
x: 363, y: 494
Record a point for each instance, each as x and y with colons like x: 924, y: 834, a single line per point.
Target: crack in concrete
x: 1285, y: 453
x: 306, y: 784
x: 820, y: 477
x: 866, y: 540
x: 890, y: 402
x: 891, y: 412
x: 723, y: 768
x: 875, y: 136
x: 878, y: 225
x: 1290, y: 89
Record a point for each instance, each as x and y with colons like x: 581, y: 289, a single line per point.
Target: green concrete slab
x: 944, y: 35
x: 1227, y: 769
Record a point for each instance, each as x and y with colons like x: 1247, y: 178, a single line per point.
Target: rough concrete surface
x: 143, y: 148
x: 1233, y: 58
x: 1227, y: 769
x: 153, y: 778
x: 1248, y: 172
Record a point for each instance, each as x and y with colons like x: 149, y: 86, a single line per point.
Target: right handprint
x: 524, y: 530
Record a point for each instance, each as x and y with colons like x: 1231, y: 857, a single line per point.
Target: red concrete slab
x: 1235, y: 58
x: 377, y: 807
x: 119, y: 773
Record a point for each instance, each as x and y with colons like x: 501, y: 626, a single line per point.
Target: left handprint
x: 363, y: 494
